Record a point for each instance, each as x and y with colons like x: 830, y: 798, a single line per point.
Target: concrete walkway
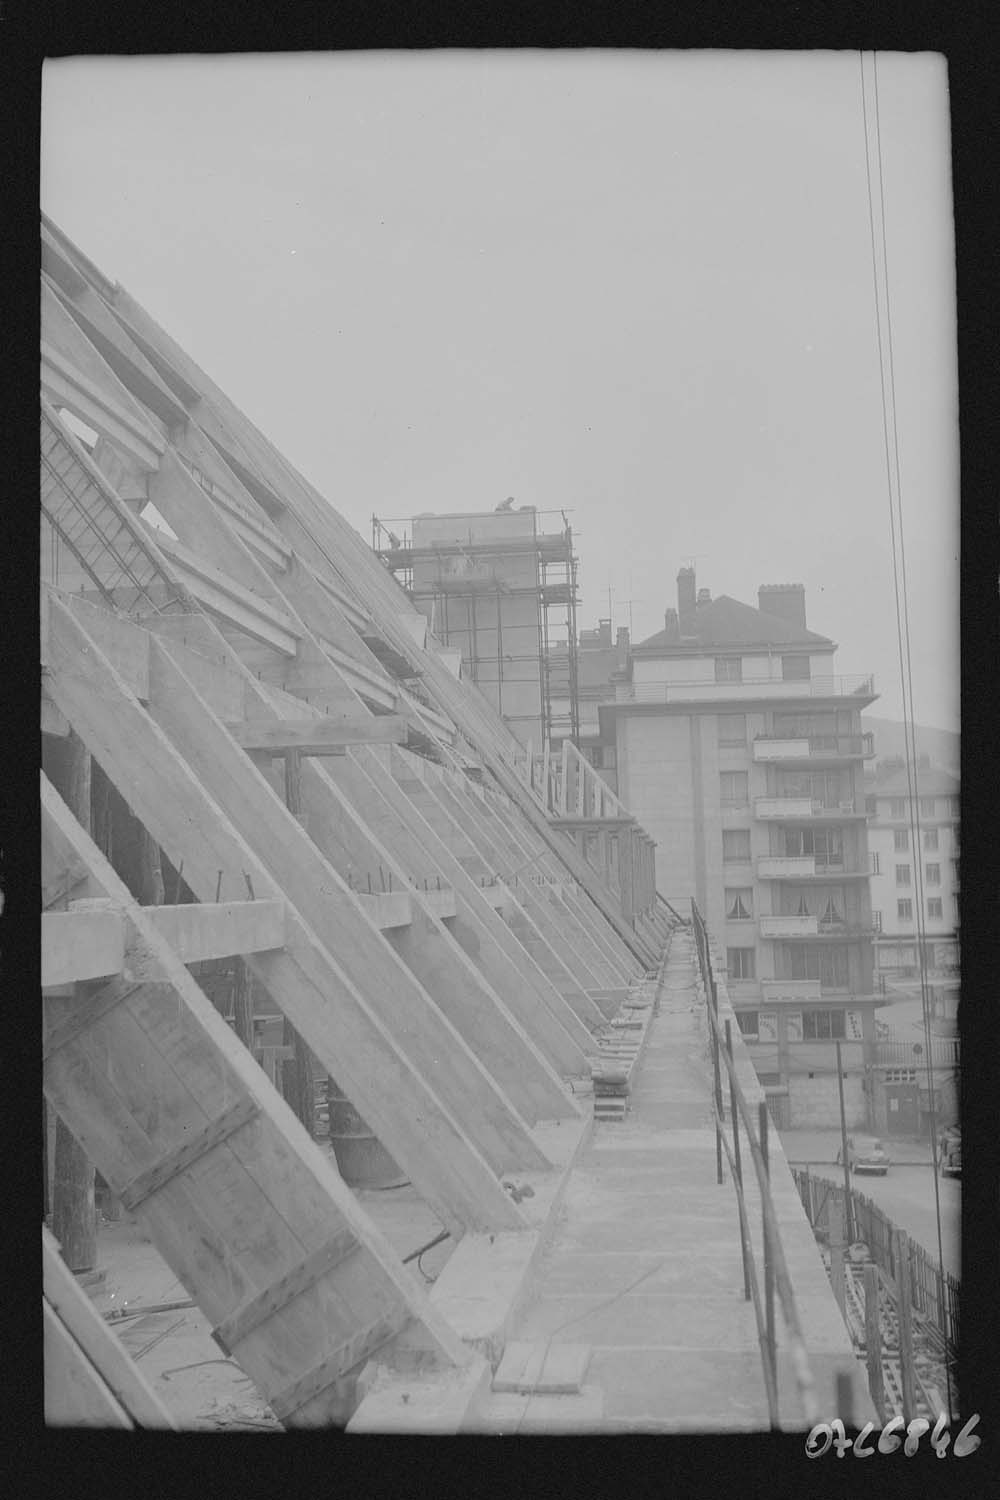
x: 643, y: 1265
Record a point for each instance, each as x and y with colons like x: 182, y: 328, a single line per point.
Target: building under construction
x: 502, y: 591
x: 315, y: 925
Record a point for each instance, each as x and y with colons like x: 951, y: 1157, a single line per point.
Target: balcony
x: 786, y: 867
x: 945, y: 1054
x: 749, y: 688
x: 804, y: 809
x: 790, y: 991
x: 814, y: 748
x: 794, y: 927
x: 807, y: 867
x: 789, y: 927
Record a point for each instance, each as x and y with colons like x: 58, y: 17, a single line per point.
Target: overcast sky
x: 638, y: 286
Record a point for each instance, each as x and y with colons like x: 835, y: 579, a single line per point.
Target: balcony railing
x: 788, y: 926
x: 813, y: 927
x: 803, y: 807
x: 747, y: 687
x: 790, y: 991
x: 808, y: 867
x: 774, y: 747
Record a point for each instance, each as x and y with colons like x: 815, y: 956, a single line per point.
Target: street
x: 905, y: 1194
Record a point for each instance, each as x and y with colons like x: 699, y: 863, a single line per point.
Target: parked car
x: 867, y: 1156
x: 950, y: 1152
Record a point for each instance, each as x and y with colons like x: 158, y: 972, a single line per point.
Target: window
x: 927, y: 806
x: 823, y: 1025
x: 902, y: 874
x: 897, y: 807
x: 935, y: 907
x: 729, y: 669
x: 901, y: 840
x: 734, y: 788
x: 732, y: 729
x: 875, y: 864
x: 954, y: 807
x: 877, y: 921
x: 955, y: 838
x: 904, y: 911
x: 741, y: 963
x: 795, y: 668
x: 930, y: 838
x: 954, y: 872
x: 746, y: 1020
x: 736, y: 846
x: 826, y: 963
x: 871, y: 806
x: 826, y: 845
x: 739, y: 905
x: 932, y: 874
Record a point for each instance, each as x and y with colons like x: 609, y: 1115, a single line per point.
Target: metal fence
x: 935, y: 1292
x: 776, y: 1277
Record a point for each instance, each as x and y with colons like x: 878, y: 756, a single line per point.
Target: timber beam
x: 361, y: 1035
x: 235, y: 1196
x: 326, y: 736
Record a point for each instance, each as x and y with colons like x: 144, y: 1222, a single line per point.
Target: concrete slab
x: 644, y: 1262
x: 438, y: 1403
x: 542, y: 1368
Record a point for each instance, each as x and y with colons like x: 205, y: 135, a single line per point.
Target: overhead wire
x: 900, y: 591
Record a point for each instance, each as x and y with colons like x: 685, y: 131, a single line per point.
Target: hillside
x: 942, y: 745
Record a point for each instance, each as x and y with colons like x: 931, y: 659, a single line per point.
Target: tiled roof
x: 727, y: 622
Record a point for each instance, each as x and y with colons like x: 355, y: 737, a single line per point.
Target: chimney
x: 670, y: 626
x: 604, y: 632
x: 686, y: 600
x: 786, y: 600
x: 622, y: 639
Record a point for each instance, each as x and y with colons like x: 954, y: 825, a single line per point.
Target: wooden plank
x: 224, y: 597
x: 198, y: 931
x: 347, y: 1357
x: 75, y: 1394
x: 542, y: 1368
x: 52, y: 721
x: 156, y: 1177
x: 234, y: 1329
x: 80, y: 945
x: 85, y: 1013
x: 318, y: 736
x: 97, y: 1343
x: 317, y: 995
x: 248, y: 1213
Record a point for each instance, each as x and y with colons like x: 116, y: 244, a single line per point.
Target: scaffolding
x: 504, y: 593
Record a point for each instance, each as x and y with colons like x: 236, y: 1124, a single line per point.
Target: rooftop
x: 724, y: 621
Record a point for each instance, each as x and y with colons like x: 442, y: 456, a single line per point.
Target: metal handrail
x: 776, y: 1274
x: 826, y: 686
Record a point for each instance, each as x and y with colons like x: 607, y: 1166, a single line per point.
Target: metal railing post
x: 768, y: 1260
x: 737, y: 1163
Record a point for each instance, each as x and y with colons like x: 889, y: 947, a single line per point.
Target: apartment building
x: 902, y: 871
x: 741, y: 750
